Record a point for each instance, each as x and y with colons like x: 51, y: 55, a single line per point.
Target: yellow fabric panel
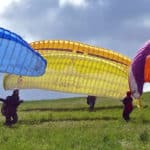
x: 138, y: 103
x: 62, y: 45
x: 76, y: 73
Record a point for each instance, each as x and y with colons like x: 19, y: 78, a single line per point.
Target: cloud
x: 5, y: 4
x: 146, y: 87
x: 111, y: 24
x: 74, y: 3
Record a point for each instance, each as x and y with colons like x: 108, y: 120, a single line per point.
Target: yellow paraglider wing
x: 76, y: 71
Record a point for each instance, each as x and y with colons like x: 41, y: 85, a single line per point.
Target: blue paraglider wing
x: 17, y: 57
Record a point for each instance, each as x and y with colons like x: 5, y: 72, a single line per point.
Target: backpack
x: 4, y: 109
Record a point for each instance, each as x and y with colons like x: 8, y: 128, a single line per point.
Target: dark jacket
x: 127, y: 101
x: 91, y: 100
x: 10, y: 105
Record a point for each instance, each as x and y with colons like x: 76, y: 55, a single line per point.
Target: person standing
x: 91, y: 102
x: 128, y: 106
x: 9, y: 108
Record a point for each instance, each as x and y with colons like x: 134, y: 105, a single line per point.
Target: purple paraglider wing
x: 138, y: 73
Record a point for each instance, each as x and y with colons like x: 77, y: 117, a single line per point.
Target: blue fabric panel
x: 17, y: 56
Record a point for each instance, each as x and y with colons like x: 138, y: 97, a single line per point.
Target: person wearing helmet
x: 9, y: 108
x: 128, y: 106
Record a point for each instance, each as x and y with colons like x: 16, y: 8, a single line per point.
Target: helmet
x: 128, y: 93
x: 16, y: 91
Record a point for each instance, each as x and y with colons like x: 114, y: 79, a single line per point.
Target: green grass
x: 68, y: 125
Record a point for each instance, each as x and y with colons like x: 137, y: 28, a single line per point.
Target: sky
x: 122, y: 26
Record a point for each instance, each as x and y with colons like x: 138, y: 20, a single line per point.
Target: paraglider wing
x: 17, y: 56
x: 139, y: 71
x: 71, y: 68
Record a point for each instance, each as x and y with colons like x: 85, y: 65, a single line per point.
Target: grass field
x: 68, y: 125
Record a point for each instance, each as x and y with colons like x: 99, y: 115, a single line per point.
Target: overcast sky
x: 122, y: 26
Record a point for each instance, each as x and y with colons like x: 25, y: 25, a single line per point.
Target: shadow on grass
x: 70, y: 109
x: 43, y: 120
x: 145, y: 121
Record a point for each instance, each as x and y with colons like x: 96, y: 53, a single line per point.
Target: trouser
x: 91, y: 108
x: 11, y: 119
x: 126, y: 115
